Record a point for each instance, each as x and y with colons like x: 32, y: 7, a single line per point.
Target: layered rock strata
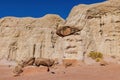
x: 94, y: 27
x: 21, y: 38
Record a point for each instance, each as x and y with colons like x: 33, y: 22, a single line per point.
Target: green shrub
x: 96, y: 55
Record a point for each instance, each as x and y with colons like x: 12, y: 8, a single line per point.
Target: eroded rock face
x: 99, y: 29
x: 94, y: 27
x: 22, y: 38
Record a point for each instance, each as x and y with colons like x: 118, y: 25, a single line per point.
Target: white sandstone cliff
x: 94, y: 27
x: 22, y: 38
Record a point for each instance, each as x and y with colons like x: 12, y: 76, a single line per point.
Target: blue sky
x: 38, y: 8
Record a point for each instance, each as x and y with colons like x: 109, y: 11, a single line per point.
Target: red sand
x: 82, y: 72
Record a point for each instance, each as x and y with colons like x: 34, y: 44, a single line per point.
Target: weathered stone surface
x: 18, y: 70
x: 44, y: 62
x: 69, y: 62
x: 66, y: 31
x: 94, y: 27
x: 31, y: 62
x: 22, y: 38
x: 27, y: 62
x: 103, y: 63
x: 99, y: 30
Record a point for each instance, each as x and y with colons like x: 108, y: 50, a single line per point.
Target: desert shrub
x: 96, y: 55
x: 98, y: 59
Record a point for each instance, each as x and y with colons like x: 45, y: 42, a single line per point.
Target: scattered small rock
x: 103, y: 63
x: 53, y: 72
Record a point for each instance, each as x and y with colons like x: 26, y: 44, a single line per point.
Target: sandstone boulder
x: 65, y: 31
x: 69, y: 62
x: 17, y: 70
x: 103, y: 63
x: 44, y: 62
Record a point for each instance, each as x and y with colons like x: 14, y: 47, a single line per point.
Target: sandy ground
x: 79, y: 72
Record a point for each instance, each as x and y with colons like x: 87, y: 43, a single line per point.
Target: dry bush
x: 96, y: 56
